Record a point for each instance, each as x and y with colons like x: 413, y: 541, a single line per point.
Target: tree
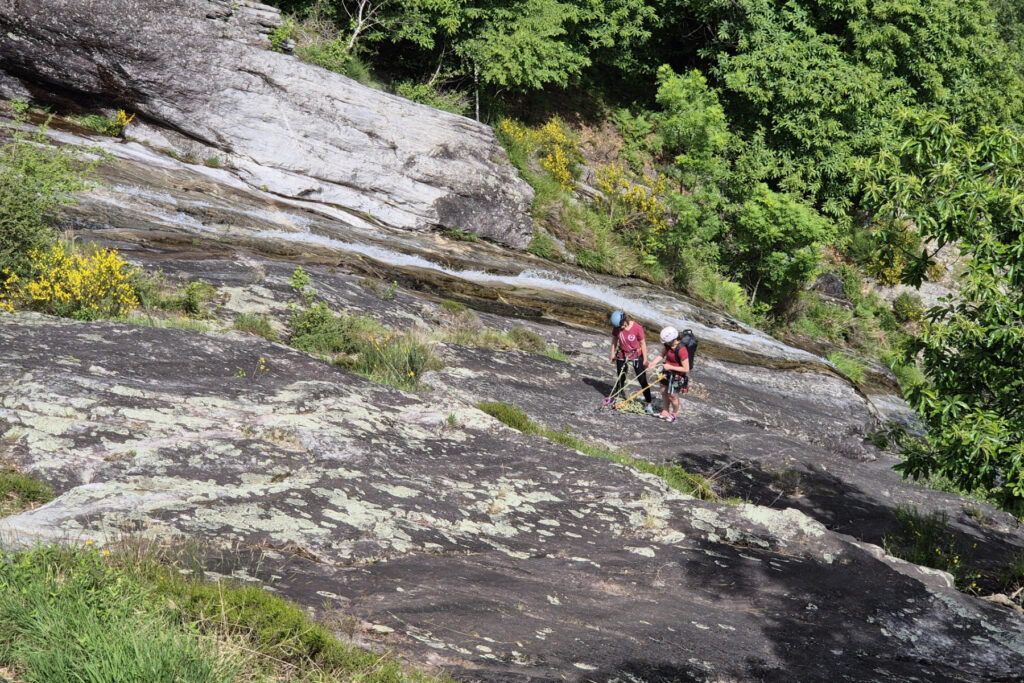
x: 36, y: 180
x: 967, y: 190
x: 775, y: 243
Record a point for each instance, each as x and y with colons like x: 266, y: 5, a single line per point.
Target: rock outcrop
x: 200, y: 73
x: 458, y: 541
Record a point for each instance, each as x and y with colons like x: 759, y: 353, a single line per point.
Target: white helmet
x: 669, y: 334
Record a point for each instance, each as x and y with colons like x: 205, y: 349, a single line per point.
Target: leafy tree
x: 775, y: 243
x: 36, y: 180
x: 693, y: 126
x: 967, y: 190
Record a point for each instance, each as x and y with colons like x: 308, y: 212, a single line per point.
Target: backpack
x: 690, y: 342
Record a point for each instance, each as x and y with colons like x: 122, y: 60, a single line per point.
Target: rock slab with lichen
x: 456, y: 541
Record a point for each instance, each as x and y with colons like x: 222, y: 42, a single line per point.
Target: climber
x: 629, y: 349
x: 677, y: 364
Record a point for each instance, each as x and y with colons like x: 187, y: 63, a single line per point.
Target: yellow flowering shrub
x: 636, y: 208
x: 117, y: 125
x: 890, y: 255
x: 87, y: 287
x: 553, y: 144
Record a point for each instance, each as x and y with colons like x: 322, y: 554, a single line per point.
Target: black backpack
x: 690, y: 342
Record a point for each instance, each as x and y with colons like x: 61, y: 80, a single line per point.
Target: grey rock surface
x: 459, y: 542
x: 201, y: 70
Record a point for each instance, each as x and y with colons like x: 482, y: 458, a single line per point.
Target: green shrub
x: 852, y: 367
x: 37, y: 179
x: 907, y: 308
x: 824, y: 321
x: 288, y: 30
x: 256, y: 323
x: 425, y: 93
x: 317, y: 330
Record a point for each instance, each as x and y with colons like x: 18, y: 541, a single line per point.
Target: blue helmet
x: 618, y: 317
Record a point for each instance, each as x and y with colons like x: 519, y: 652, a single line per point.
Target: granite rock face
x: 200, y: 71
x: 457, y: 541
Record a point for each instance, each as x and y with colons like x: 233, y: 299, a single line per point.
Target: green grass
x: 255, y: 323
x: 82, y: 615
x: 398, y: 361
x: 19, y: 492
x: 155, y: 293
x: 516, y: 339
x: 925, y: 539
x: 94, y: 122
x: 544, y: 246
x: 555, y: 354
x: 851, y: 366
x: 674, y: 475
x: 460, y: 235
x: 175, y: 322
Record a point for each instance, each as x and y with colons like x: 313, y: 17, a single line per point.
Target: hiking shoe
x: 664, y: 415
x: 671, y: 418
x: 649, y: 409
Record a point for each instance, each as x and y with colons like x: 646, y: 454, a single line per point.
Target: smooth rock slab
x: 498, y: 555
x: 202, y: 70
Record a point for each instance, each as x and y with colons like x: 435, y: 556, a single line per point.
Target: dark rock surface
x: 492, y: 554
x: 201, y: 78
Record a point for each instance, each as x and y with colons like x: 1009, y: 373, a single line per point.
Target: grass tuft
x: 925, y: 539
x: 20, y: 492
x: 675, y: 476
x: 256, y: 323
x: 852, y: 367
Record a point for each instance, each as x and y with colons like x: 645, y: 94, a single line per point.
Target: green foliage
x: 280, y: 36
x: 544, y: 246
x: 397, y: 361
x: 317, y: 330
x: 332, y: 55
x: 66, y: 615
x: 965, y: 189
x: 20, y: 492
x: 155, y: 293
x: 907, y: 308
x: 926, y: 540
x: 850, y: 366
x: 674, y: 475
x: 777, y: 239
x: 426, y: 93
x: 693, y: 126
x: 37, y: 179
x: 460, y: 235
x: 256, y: 323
